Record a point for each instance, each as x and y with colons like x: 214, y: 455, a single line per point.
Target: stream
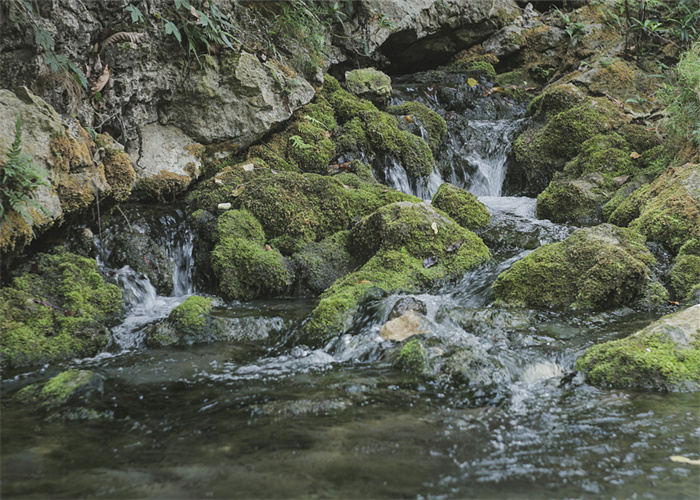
x: 275, y: 419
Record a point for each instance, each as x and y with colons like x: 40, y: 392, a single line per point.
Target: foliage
x: 649, y: 22
x: 683, y: 98
x: 20, y: 178
x: 58, y: 63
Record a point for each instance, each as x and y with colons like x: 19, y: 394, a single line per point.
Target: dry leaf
x: 194, y: 12
x: 237, y: 192
x: 363, y: 282
x: 267, y: 247
x: 472, y: 83
x: 248, y: 167
x: 619, y: 181
x: 102, y: 80
x: 434, y: 227
x: 635, y: 155
x: 409, y: 118
x: 492, y: 90
x: 122, y: 36
x: 349, y: 187
x: 673, y: 302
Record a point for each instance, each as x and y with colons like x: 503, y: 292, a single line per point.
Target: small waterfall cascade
x: 143, y: 303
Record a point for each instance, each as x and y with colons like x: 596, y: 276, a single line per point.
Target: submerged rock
x: 405, y: 326
x: 195, y: 322
x: 600, y: 267
x: 58, y: 308
x: 663, y: 356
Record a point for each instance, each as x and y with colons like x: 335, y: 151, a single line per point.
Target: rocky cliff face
x: 164, y: 100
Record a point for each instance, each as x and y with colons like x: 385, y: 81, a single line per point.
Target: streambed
x: 272, y: 418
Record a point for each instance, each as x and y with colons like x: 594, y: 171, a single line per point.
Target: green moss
x: 58, y: 310
x: 413, y: 357
x: 190, y: 317
x: 690, y: 247
x: 462, y: 206
x: 474, y: 66
x: 578, y: 200
x: 320, y: 264
x: 598, y: 267
x: 433, y: 122
x: 639, y: 138
x: 644, y: 361
x: 684, y: 276
x: 57, y: 390
x: 117, y: 167
x: 330, y: 84
x: 383, y: 133
x: 368, y: 81
x: 163, y: 187
x: 244, y: 267
x: 393, y: 243
x: 540, y: 152
x: 607, y: 154
x: 353, y: 137
x: 554, y: 100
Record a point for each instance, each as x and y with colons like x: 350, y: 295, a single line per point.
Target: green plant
x: 209, y: 30
x: 20, y: 178
x: 683, y: 98
x: 298, y: 143
x: 58, y: 63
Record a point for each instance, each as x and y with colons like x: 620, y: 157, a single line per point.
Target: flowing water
x: 273, y: 418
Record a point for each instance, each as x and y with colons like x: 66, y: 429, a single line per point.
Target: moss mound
x: 577, y: 200
x: 58, y: 309
x: 434, y: 124
x: 684, y: 276
x: 295, y: 209
x: 663, y: 356
x: 245, y: 267
x: 462, y: 206
x: 600, y: 267
x: 668, y: 210
x: 404, y: 246
x: 542, y: 150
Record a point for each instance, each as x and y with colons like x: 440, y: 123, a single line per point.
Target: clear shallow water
x: 276, y: 419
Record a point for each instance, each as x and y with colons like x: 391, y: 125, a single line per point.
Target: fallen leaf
x: 472, y: 83
x: 673, y: 302
x: 102, y: 80
x: 409, y: 118
x: 430, y: 262
x: 619, y: 181
x: 684, y: 460
x: 364, y: 282
x: 349, y: 187
x: 534, y: 87
x: 194, y: 12
x: 267, y: 247
x: 434, y: 227
x: 385, y: 191
x: 635, y: 155
x: 492, y: 90
x: 237, y: 192
x: 455, y: 246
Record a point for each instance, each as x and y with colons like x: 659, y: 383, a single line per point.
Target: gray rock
x: 505, y: 42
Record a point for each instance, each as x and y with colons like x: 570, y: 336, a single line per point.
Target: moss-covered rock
x: 74, y: 386
x: 462, y: 206
x: 293, y: 208
x: 668, y: 210
x: 540, y: 151
x: 369, y: 83
x: 163, y: 187
x: 245, y: 267
x: 381, y: 131
x: 319, y: 265
x: 663, y: 356
x: 554, y: 100
x: 600, y: 267
x: 59, y: 308
x: 404, y: 246
x: 434, y: 124
x: 684, y: 276
x: 577, y: 200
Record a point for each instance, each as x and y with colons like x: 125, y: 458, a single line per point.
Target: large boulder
x: 423, y: 32
x: 57, y: 309
x: 405, y: 247
x: 599, y: 267
x: 663, y: 356
x: 78, y: 167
